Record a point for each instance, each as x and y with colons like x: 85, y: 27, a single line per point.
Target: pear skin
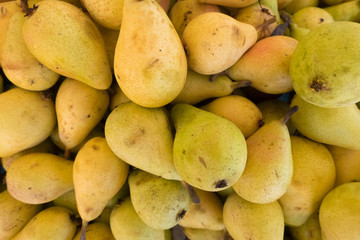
x: 117, y: 97
x: 229, y: 3
x: 150, y: 64
x: 311, y: 17
x: 201, y: 233
x: 346, y: 11
x: 67, y: 200
x: 66, y: 40
x: 295, y: 6
x: 96, y: 231
x: 310, y: 230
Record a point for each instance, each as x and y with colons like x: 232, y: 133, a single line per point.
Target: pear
x: 19, y: 65
x: 67, y: 200
x: 150, y: 64
x: 269, y: 166
x: 126, y: 224
x: 96, y: 231
x: 346, y: 11
x: 117, y: 97
x: 296, y: 5
x: 239, y: 110
x: 333, y: 126
x: 270, y: 73
x: 320, y: 75
x: 310, y: 230
x: 107, y: 13
x: 143, y: 138
x: 339, y: 213
x: 311, y: 17
x: 14, y: 215
x: 182, y: 12
x: 202, y: 160
x: 37, y: 178
x: 66, y: 40
x: 110, y: 37
x: 159, y: 202
x: 313, y: 177
x: 201, y: 233
x: 347, y: 164
x: 93, y: 188
x: 215, y: 41
x: 283, y: 3
x: 55, y: 223
x: 333, y: 2
x: 79, y: 108
x: 27, y: 118
x: 246, y: 220
x: 230, y: 3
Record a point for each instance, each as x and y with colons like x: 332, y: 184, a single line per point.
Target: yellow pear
x: 27, y: 118
x: 110, y: 37
x: 346, y: 11
x: 310, y: 230
x: 56, y: 223
x: 66, y: 40
x: 296, y: 5
x: 339, y: 214
x: 150, y: 64
x: 19, y: 65
x: 79, y: 108
x: 96, y: 231
x: 313, y: 177
x: 67, y: 200
x: 246, y: 220
x: 14, y: 215
x: 37, y: 178
x: 230, y: 3
x: 201, y: 234
x: 117, y: 96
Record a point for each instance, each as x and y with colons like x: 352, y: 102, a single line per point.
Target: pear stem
x: 240, y: 84
x: 25, y: 8
x: 83, y: 230
x: 214, y: 76
x: 67, y: 153
x: 266, y: 23
x: 289, y: 113
x: 193, y: 195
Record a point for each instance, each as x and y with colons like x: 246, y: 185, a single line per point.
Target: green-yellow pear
x: 98, y: 174
x: 96, y: 231
x: 150, y: 63
x: 126, y: 224
x: 26, y: 119
x: 67, y: 200
x: 283, y: 3
x: 117, y: 96
x: 183, y: 11
x: 321, y: 76
x: 19, y: 65
x: 246, y: 220
x: 201, y: 234
x: 56, y: 223
x: 311, y: 17
x: 239, y: 110
x: 159, y: 202
x: 14, y: 215
x: 214, y: 41
x: 339, y: 213
x: 333, y: 126
x: 108, y: 13
x: 346, y: 11
x: 313, y: 177
x: 347, y: 164
x: 270, y: 72
x: 310, y: 230
x: 37, y: 178
x: 79, y: 108
x: 269, y: 166
x: 333, y: 2
x: 204, y: 161
x: 207, y: 214
x: 110, y: 37
x: 66, y: 40
x: 143, y: 138
x: 230, y: 3
x: 296, y: 5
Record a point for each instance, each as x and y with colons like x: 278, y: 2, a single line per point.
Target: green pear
x: 159, y: 202
x: 201, y: 234
x: 14, y: 215
x: 214, y: 41
x: 57, y: 223
x: 310, y: 230
x: 96, y: 231
x: 79, y: 108
x: 270, y: 73
x: 346, y: 11
x: 143, y: 138
x: 27, y: 118
x: 313, y: 177
x: 66, y: 40
x: 334, y: 126
x: 126, y: 224
x: 150, y: 63
x: 246, y: 220
x: 230, y: 3
x: 37, y: 178
x: 269, y: 167
x: 204, y: 161
x: 311, y: 17
x: 296, y: 5
x: 322, y: 71
x: 339, y: 213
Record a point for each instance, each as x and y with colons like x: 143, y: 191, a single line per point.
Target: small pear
x: 150, y: 64
x: 14, y: 215
x: 269, y: 167
x: 56, y: 223
x: 126, y: 224
x: 333, y: 126
x: 311, y: 17
x: 246, y: 220
x: 143, y: 138
x: 202, y: 160
x: 339, y: 214
x: 346, y: 11
x: 159, y: 202
x: 66, y: 40
x: 230, y: 3
x: 27, y: 118
x: 310, y: 230
x: 37, y: 178
x: 96, y: 231
x: 79, y: 108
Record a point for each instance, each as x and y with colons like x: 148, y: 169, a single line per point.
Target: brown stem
x: 240, y: 84
x: 67, y: 153
x: 83, y: 230
x: 25, y: 8
x: 289, y: 113
x: 266, y: 23
x: 214, y: 76
x: 193, y: 195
